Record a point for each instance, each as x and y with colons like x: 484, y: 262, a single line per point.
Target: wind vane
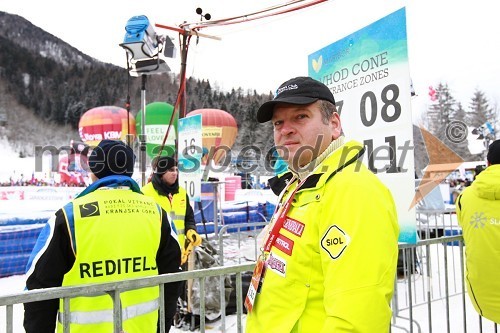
x: 187, y: 30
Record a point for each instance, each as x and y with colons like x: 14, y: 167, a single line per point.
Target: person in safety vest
x: 478, y: 213
x: 164, y: 189
x: 329, y: 254
x: 109, y: 232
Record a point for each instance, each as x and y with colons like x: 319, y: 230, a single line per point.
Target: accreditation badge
x: 255, y: 284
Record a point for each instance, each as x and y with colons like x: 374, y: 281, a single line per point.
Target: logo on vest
x: 335, y: 241
x: 294, y: 226
x: 89, y: 209
x: 128, y: 206
x: 276, y: 264
x: 478, y: 220
x: 284, y: 244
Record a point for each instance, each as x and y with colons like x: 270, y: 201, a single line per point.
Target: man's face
x: 170, y: 176
x: 300, y: 133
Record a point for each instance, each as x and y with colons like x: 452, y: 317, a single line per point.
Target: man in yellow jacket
x: 478, y: 213
x: 164, y: 189
x: 330, y: 251
x: 110, y: 232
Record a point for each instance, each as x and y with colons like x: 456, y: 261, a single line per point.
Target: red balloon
x: 432, y: 93
x: 106, y: 122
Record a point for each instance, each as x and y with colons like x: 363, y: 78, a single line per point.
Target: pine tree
x: 459, y: 114
x: 444, y: 112
x: 480, y: 111
x: 440, y: 113
x: 482, y: 118
x: 460, y: 147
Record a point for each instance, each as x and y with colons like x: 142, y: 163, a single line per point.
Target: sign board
x: 189, y: 155
x: 368, y: 74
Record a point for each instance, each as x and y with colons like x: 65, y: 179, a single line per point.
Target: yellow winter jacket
x: 333, y: 266
x: 478, y: 213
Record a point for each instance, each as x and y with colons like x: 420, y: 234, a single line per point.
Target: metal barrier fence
x: 250, y: 230
x: 429, y: 289
x: 113, y: 289
x: 430, y: 293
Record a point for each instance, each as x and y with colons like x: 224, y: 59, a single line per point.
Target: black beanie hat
x: 494, y: 152
x: 162, y: 164
x: 110, y: 158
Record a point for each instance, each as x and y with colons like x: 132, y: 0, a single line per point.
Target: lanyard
x: 260, y: 267
x: 273, y: 234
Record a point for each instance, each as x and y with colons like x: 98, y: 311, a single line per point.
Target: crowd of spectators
x: 33, y: 181
x: 457, y: 185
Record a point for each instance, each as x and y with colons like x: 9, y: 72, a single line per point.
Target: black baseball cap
x: 300, y: 90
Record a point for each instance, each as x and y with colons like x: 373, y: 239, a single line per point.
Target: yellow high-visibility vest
x: 116, y: 235
x: 175, y: 206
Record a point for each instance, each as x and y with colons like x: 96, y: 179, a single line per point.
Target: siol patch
x: 335, y: 241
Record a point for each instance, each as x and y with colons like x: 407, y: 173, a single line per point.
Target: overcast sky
x: 453, y: 42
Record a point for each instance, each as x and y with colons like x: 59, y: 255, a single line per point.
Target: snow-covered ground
x: 12, y: 166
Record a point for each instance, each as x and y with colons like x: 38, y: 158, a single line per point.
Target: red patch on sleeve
x: 294, y: 226
x: 284, y: 244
